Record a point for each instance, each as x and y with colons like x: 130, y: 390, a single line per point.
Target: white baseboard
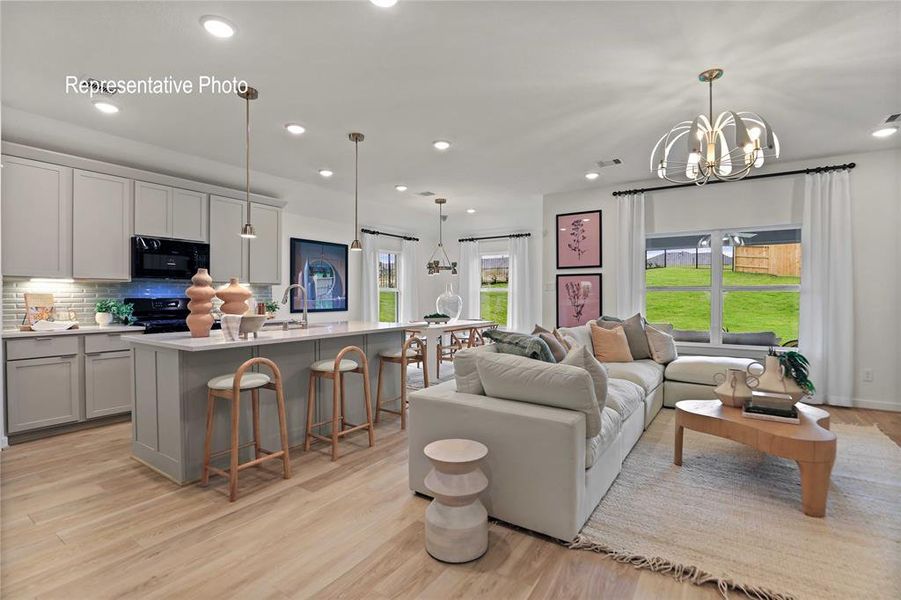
x: 4, y: 442
x: 876, y: 404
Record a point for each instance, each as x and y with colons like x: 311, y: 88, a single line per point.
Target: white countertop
x: 82, y: 330
x: 182, y: 340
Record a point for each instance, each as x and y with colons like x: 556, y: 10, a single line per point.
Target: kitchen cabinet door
x: 153, y: 209
x: 190, y: 212
x: 265, y: 249
x: 37, y: 219
x: 42, y: 392
x: 228, y: 250
x: 107, y: 378
x: 101, y: 231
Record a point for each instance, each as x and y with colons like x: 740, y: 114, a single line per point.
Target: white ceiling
x: 530, y: 93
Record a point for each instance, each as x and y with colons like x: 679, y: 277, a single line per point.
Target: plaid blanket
x: 520, y: 344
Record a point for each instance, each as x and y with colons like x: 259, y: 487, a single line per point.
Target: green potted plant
x: 787, y: 372
x: 271, y: 308
x: 123, y: 312
x: 109, y: 310
x: 103, y: 314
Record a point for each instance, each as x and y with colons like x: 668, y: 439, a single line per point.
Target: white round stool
x: 456, y: 522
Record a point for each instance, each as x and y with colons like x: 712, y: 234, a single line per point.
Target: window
x: 493, y: 293
x: 726, y: 287
x: 388, y: 292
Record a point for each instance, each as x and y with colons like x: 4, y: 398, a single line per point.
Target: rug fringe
x: 681, y: 573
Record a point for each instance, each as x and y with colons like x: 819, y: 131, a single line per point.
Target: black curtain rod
x: 409, y: 238
x: 494, y: 237
x: 762, y: 176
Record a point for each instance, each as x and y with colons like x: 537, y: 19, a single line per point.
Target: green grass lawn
x: 493, y: 306
x: 742, y: 311
x: 387, y: 307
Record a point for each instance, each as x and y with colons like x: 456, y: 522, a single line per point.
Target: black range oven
x: 157, y: 258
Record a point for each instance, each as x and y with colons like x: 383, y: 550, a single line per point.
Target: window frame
x: 506, y: 290
x: 717, y: 289
x: 395, y: 290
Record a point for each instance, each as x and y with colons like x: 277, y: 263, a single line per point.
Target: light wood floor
x: 81, y: 520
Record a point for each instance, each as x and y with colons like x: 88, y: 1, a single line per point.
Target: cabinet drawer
x: 106, y: 342
x: 36, y: 347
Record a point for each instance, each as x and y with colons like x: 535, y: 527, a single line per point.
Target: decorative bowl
x: 437, y: 320
x: 251, y: 324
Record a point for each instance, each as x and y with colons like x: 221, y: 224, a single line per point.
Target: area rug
x: 731, y: 516
x: 414, y: 376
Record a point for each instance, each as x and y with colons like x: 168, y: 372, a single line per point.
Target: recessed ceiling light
x: 885, y: 131
x: 217, y: 26
x: 325, y: 173
x: 591, y: 175
x: 400, y: 187
x: 471, y: 211
x: 384, y: 3
x: 295, y: 128
x: 106, y: 107
x: 441, y: 144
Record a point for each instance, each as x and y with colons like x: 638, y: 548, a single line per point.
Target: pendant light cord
x: 356, y: 185
x: 247, y: 153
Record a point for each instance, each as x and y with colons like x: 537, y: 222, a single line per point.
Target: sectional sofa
x: 550, y: 458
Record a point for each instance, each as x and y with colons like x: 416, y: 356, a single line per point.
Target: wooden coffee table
x: 810, y: 443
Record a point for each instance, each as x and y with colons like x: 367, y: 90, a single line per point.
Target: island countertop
x: 268, y: 335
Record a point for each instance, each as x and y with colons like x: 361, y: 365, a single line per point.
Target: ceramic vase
x: 234, y: 298
x: 201, y: 293
x: 733, y: 389
x: 449, y: 303
x: 774, y: 379
x: 103, y: 319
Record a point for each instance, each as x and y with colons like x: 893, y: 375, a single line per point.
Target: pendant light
x: 249, y: 93
x: 435, y: 266
x: 356, y: 138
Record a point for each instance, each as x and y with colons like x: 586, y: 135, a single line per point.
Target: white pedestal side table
x: 456, y: 522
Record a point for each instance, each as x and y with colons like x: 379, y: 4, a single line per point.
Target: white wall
x: 876, y: 195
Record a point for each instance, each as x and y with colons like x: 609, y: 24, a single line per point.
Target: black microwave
x: 157, y: 258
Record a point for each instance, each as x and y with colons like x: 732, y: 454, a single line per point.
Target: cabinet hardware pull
x: 43, y: 339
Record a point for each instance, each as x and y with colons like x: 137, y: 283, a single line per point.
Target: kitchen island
x: 170, y: 373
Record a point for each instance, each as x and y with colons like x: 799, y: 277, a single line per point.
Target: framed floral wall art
x: 579, y: 240
x: 578, y: 299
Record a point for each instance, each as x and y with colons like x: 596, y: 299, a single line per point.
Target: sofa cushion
x: 610, y: 345
x: 611, y: 424
x: 624, y: 397
x: 526, y: 380
x: 577, y: 336
x: 580, y: 356
x: 520, y: 344
x: 701, y: 369
x: 645, y: 373
x: 465, y: 372
x: 662, y: 345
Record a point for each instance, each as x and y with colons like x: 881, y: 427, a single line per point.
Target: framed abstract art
x: 578, y: 299
x: 579, y: 240
x: 321, y: 267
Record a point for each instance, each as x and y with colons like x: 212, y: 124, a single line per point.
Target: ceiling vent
x: 99, y: 87
x: 893, y: 119
x: 426, y: 194
x: 609, y: 163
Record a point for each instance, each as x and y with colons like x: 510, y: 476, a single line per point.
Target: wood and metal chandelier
x: 435, y: 264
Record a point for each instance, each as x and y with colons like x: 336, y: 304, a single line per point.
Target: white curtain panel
x: 630, y: 285
x: 826, y: 335
x: 406, y: 281
x: 470, y: 270
x: 519, y: 301
x: 369, y: 292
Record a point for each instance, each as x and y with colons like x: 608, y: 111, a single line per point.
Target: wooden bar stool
x: 413, y: 351
x: 230, y: 387
x: 335, y: 370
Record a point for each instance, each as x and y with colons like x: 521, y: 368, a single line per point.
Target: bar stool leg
x: 403, y: 393
x: 343, y: 401
x: 425, y: 368
x: 208, y: 440
x: 255, y: 405
x: 283, y: 429
x: 311, y: 401
x: 368, y: 395
x: 336, y: 407
x: 233, y: 468
x: 378, y: 391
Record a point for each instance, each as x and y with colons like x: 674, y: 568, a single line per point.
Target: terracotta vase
x: 234, y: 298
x: 201, y: 293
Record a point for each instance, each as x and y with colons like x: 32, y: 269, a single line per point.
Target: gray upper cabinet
x: 37, y: 218
x: 167, y: 212
x: 265, y: 249
x: 190, y: 212
x: 101, y: 226
x: 42, y: 392
x: 228, y: 251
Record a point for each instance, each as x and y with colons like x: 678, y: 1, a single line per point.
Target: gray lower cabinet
x: 107, y: 384
x: 42, y: 392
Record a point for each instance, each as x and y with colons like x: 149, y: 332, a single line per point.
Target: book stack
x: 771, y: 406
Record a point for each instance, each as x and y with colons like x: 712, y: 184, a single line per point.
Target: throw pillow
x: 634, y: 329
x: 576, y: 336
x: 520, y: 344
x: 666, y: 328
x: 558, y: 345
x: 465, y: 372
x: 610, y: 345
x: 663, y: 346
x: 582, y: 357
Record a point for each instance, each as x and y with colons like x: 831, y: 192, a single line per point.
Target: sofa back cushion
x: 465, y: 372
x: 526, y: 380
x: 520, y: 344
x: 580, y: 356
x: 610, y: 345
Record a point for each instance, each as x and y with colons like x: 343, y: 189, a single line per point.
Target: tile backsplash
x: 80, y: 296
